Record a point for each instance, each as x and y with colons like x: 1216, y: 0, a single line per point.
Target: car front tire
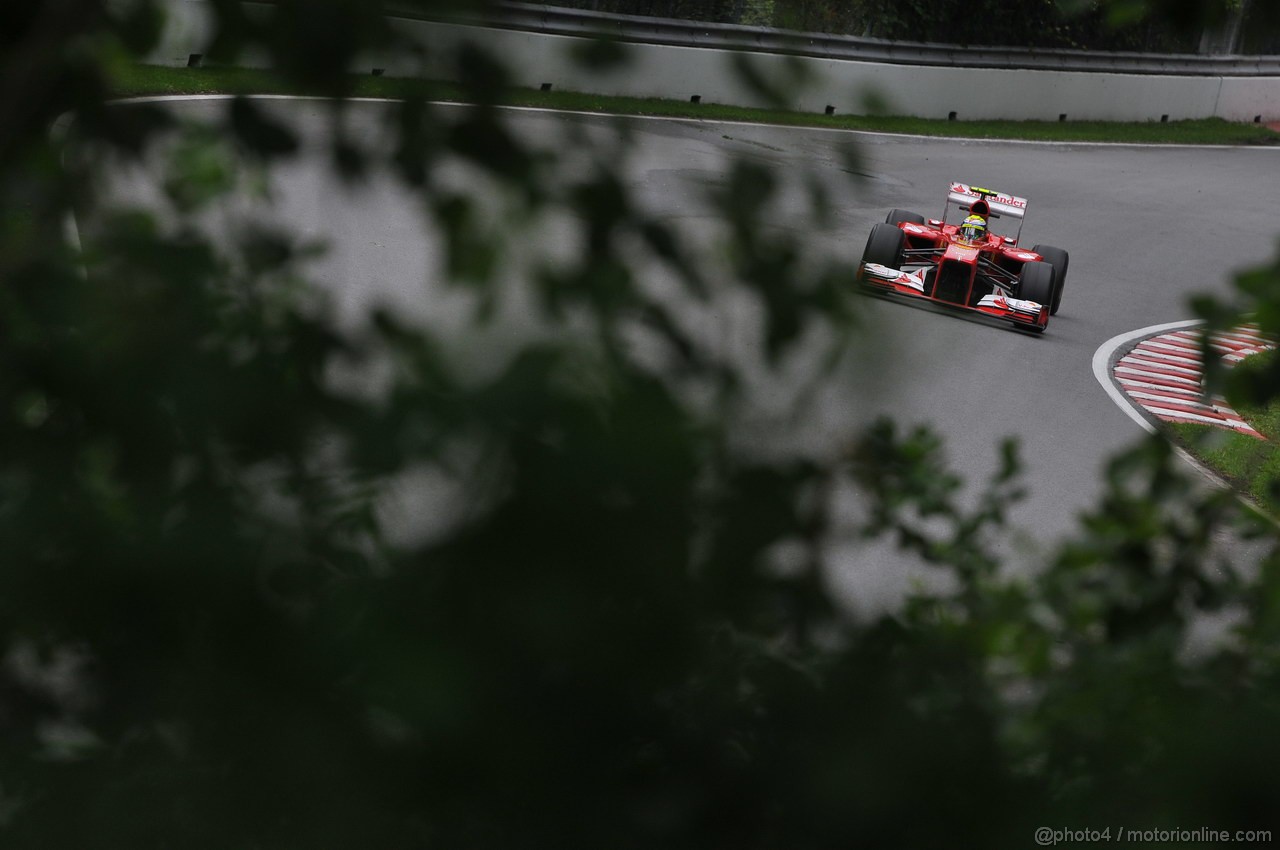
x: 1037, y: 282
x: 1059, y: 259
x: 884, y: 246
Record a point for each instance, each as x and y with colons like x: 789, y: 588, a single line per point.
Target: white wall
x: 1246, y: 98
x: 679, y: 73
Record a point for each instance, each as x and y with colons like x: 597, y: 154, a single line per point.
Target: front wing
x: 912, y: 284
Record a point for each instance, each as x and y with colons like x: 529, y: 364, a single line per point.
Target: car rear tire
x: 1037, y: 282
x: 884, y: 246
x: 1059, y: 259
x: 899, y: 216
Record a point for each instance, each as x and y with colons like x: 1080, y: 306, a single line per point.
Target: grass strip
x: 1250, y: 465
x: 139, y: 80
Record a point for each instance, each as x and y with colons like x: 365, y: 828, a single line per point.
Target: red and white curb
x: 1161, y: 375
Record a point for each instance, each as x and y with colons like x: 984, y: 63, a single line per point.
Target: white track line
x: 1150, y: 386
x: 1145, y: 373
x: 1161, y: 357
x: 1102, y: 371
x: 1160, y: 361
x: 1150, y: 359
x: 1162, y: 395
x: 1163, y: 349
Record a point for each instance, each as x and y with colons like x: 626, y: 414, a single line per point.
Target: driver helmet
x: 974, y: 229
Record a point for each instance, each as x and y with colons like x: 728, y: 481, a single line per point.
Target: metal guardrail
x: 555, y: 20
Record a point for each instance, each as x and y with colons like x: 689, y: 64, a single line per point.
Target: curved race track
x: 1146, y: 227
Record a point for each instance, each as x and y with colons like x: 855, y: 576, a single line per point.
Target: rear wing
x: 1000, y: 204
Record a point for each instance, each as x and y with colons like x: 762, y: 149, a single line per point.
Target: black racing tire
x: 884, y: 246
x: 1037, y: 282
x: 1059, y: 259
x: 899, y: 216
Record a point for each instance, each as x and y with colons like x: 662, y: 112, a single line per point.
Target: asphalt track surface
x: 1146, y: 228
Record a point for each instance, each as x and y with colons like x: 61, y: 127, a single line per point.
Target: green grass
x: 139, y: 80
x: 1250, y: 465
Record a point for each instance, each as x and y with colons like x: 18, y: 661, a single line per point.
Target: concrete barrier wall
x: 1249, y: 99
x: 680, y: 73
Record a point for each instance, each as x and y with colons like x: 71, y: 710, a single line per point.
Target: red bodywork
x: 981, y: 276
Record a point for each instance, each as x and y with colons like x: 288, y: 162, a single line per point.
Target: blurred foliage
x: 1155, y: 26
x: 1007, y: 23
x: 617, y: 629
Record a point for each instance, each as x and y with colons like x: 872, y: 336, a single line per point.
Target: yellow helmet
x: 974, y: 229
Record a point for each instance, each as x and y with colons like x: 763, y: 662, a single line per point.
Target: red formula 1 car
x: 946, y: 264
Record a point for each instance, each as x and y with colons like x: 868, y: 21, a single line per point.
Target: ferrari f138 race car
x: 965, y: 264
